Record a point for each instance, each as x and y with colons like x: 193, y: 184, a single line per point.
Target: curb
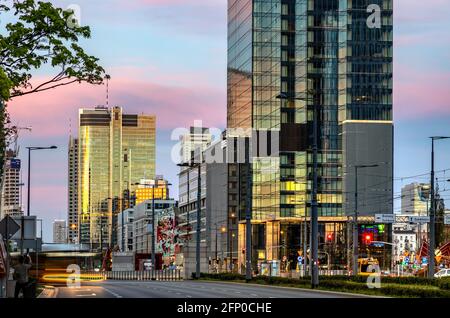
x: 298, y: 288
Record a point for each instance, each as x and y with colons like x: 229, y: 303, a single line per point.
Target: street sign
x: 419, y: 219
x: 9, y: 224
x: 384, y: 218
x: 300, y: 259
x: 447, y: 219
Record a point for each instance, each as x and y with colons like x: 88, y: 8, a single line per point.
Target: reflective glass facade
x: 286, y: 57
x: 115, y: 152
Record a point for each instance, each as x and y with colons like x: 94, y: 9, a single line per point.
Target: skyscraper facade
x: 72, y: 208
x: 116, y: 151
x: 11, y: 190
x: 285, y: 59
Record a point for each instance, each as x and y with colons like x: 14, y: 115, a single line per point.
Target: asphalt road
x: 188, y: 289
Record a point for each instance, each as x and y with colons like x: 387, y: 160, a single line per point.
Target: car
x: 442, y: 273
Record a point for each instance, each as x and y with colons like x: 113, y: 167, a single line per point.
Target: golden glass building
x: 116, y: 151
x: 145, y: 192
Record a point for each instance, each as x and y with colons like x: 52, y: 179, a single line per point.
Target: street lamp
x: 355, y: 220
x: 433, y: 211
x: 314, y: 204
x: 199, y: 210
x: 29, y: 187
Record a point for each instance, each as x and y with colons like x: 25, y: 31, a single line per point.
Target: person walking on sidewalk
x: 21, y: 275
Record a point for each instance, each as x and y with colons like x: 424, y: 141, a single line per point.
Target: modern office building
x: 59, y: 232
x: 217, y: 231
x: 125, y: 227
x: 285, y: 59
x: 72, y: 208
x: 147, y: 189
x: 192, y: 146
x: 416, y: 199
x: 11, y: 190
x: 196, y: 141
x: 116, y: 150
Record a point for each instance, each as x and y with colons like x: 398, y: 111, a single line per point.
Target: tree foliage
x: 39, y: 35
x: 42, y: 35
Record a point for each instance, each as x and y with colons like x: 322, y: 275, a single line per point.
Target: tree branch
x: 37, y: 90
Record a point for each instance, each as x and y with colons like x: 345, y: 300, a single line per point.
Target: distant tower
x: 72, y: 208
x: 59, y: 232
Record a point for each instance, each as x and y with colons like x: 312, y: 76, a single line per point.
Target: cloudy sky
x: 168, y: 58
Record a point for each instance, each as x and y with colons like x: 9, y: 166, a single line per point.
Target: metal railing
x: 161, y: 275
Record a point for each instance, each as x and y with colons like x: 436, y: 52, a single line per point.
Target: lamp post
x: 314, y: 205
x: 222, y: 230
x: 355, y: 219
x: 432, y: 231
x: 28, y: 189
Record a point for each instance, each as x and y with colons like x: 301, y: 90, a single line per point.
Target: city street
x: 187, y: 289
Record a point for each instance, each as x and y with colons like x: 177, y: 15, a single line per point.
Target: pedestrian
x: 21, y: 275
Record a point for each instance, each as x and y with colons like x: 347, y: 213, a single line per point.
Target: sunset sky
x: 168, y: 58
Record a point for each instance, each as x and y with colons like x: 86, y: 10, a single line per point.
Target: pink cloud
x: 419, y: 11
x: 420, y: 93
x: 175, y: 105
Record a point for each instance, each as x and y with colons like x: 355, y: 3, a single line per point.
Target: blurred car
x: 442, y: 273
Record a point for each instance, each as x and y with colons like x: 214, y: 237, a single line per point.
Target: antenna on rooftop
x: 107, y: 77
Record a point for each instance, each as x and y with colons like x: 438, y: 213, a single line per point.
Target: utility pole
x: 355, y: 228
x: 431, y: 266
x: 153, y: 227
x: 314, y: 206
x: 355, y: 220
x: 199, y: 218
x: 248, y: 224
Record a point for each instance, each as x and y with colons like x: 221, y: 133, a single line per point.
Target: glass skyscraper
x: 115, y: 151
x: 286, y: 57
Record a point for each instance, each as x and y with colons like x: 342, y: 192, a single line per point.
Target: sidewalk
x: 48, y: 292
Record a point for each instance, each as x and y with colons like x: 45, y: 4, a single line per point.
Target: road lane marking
x: 112, y: 293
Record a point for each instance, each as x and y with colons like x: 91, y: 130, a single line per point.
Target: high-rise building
x: 11, y: 191
x: 72, y: 208
x: 59, y: 232
x: 416, y: 199
x: 115, y: 151
x: 194, y: 142
x: 192, y: 146
x: 285, y: 59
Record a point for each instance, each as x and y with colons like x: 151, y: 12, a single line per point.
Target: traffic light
x: 368, y: 238
x: 329, y: 238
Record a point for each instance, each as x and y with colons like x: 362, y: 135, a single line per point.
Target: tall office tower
x: 11, y: 191
x: 416, y: 199
x: 196, y: 141
x: 192, y: 146
x: 72, y: 208
x: 59, y: 232
x: 285, y: 59
x: 115, y: 151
